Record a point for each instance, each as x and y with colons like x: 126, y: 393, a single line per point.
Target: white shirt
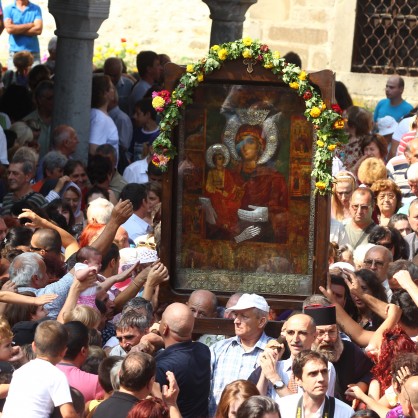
x: 288, y: 406
x: 284, y: 369
x: 3, y: 148
x: 103, y: 130
x: 135, y: 226
x: 36, y: 388
x: 137, y: 172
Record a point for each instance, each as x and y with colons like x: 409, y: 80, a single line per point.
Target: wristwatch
x: 278, y: 384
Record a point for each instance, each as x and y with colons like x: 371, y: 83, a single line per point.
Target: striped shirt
x: 9, y: 200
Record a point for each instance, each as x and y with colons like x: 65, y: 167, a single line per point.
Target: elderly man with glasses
x: 361, y: 224
x: 377, y: 259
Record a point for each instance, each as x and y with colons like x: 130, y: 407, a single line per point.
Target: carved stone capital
x: 79, y: 19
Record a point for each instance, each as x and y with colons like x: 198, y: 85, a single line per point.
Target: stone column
x: 227, y: 19
x: 77, y: 24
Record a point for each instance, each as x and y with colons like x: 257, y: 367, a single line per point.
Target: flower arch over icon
x: 328, y: 123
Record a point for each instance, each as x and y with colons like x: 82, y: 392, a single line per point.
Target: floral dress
x: 350, y: 153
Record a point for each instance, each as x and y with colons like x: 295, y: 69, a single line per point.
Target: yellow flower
x: 174, y: 94
x: 315, y: 112
x: 215, y: 47
x: 268, y: 65
x: 320, y: 185
x: 339, y: 124
x: 276, y: 55
x: 247, y: 53
x: 323, y: 106
x: 222, y: 54
x: 136, y: 44
x: 294, y: 85
x: 302, y: 75
x: 200, y: 77
x: 158, y: 102
x: 99, y: 48
x: 332, y: 147
x: 190, y: 68
x: 247, y: 41
x: 320, y: 143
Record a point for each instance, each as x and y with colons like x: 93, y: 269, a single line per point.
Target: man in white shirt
x: 277, y: 378
x: 135, y: 225
x: 311, y: 373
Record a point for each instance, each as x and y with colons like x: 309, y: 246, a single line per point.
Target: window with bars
x: 386, y: 36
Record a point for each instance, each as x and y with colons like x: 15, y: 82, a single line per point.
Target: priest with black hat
x: 352, y: 366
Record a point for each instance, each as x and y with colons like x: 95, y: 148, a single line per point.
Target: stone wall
x: 321, y: 32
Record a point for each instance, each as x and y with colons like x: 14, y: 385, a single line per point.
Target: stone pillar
x: 227, y: 19
x: 77, y: 24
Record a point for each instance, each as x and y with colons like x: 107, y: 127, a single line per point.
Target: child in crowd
x: 145, y: 129
x: 89, y: 262
x: 39, y: 386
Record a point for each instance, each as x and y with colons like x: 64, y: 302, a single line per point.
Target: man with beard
x: 351, y: 364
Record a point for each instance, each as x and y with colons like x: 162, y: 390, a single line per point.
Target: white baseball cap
x: 247, y: 301
x: 386, y: 125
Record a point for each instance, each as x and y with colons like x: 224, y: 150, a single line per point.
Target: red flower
x: 260, y: 58
x: 123, y: 40
x: 336, y: 108
x: 264, y: 48
x: 179, y: 103
x: 307, y: 95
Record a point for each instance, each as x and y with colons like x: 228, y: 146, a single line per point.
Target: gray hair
x: 141, y: 306
x: 412, y: 172
x: 114, y: 375
x: 23, y: 268
x: 100, y: 210
x: 53, y: 159
x: 316, y: 300
x: 133, y: 319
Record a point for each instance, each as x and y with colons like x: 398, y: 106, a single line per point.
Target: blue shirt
x: 231, y: 362
x: 384, y: 108
x: 29, y: 15
x: 135, y: 227
x: 61, y: 288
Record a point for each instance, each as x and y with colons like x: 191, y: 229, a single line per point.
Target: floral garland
x: 328, y: 123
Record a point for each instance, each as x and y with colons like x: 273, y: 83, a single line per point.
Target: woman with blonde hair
x: 344, y: 185
x: 234, y: 394
x: 372, y: 169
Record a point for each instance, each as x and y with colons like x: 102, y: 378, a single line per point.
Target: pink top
x: 87, y: 383
x: 409, y: 136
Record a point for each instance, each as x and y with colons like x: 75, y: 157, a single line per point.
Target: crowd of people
x: 82, y: 330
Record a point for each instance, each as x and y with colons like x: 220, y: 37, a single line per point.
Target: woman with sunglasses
x: 390, y: 238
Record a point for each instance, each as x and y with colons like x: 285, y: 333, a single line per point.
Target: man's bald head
x: 409, y: 397
x: 300, y: 333
x: 177, y: 322
x: 203, y: 304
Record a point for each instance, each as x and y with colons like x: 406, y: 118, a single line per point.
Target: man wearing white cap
x: 236, y: 357
x: 385, y: 127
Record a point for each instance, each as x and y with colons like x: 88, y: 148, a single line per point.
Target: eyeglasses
x: 383, y: 196
x: 363, y: 208
x: 332, y: 333
x: 370, y: 263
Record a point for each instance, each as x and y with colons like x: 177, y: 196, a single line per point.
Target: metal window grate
x: 386, y: 36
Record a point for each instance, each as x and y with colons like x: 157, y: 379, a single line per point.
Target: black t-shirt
x: 190, y: 363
